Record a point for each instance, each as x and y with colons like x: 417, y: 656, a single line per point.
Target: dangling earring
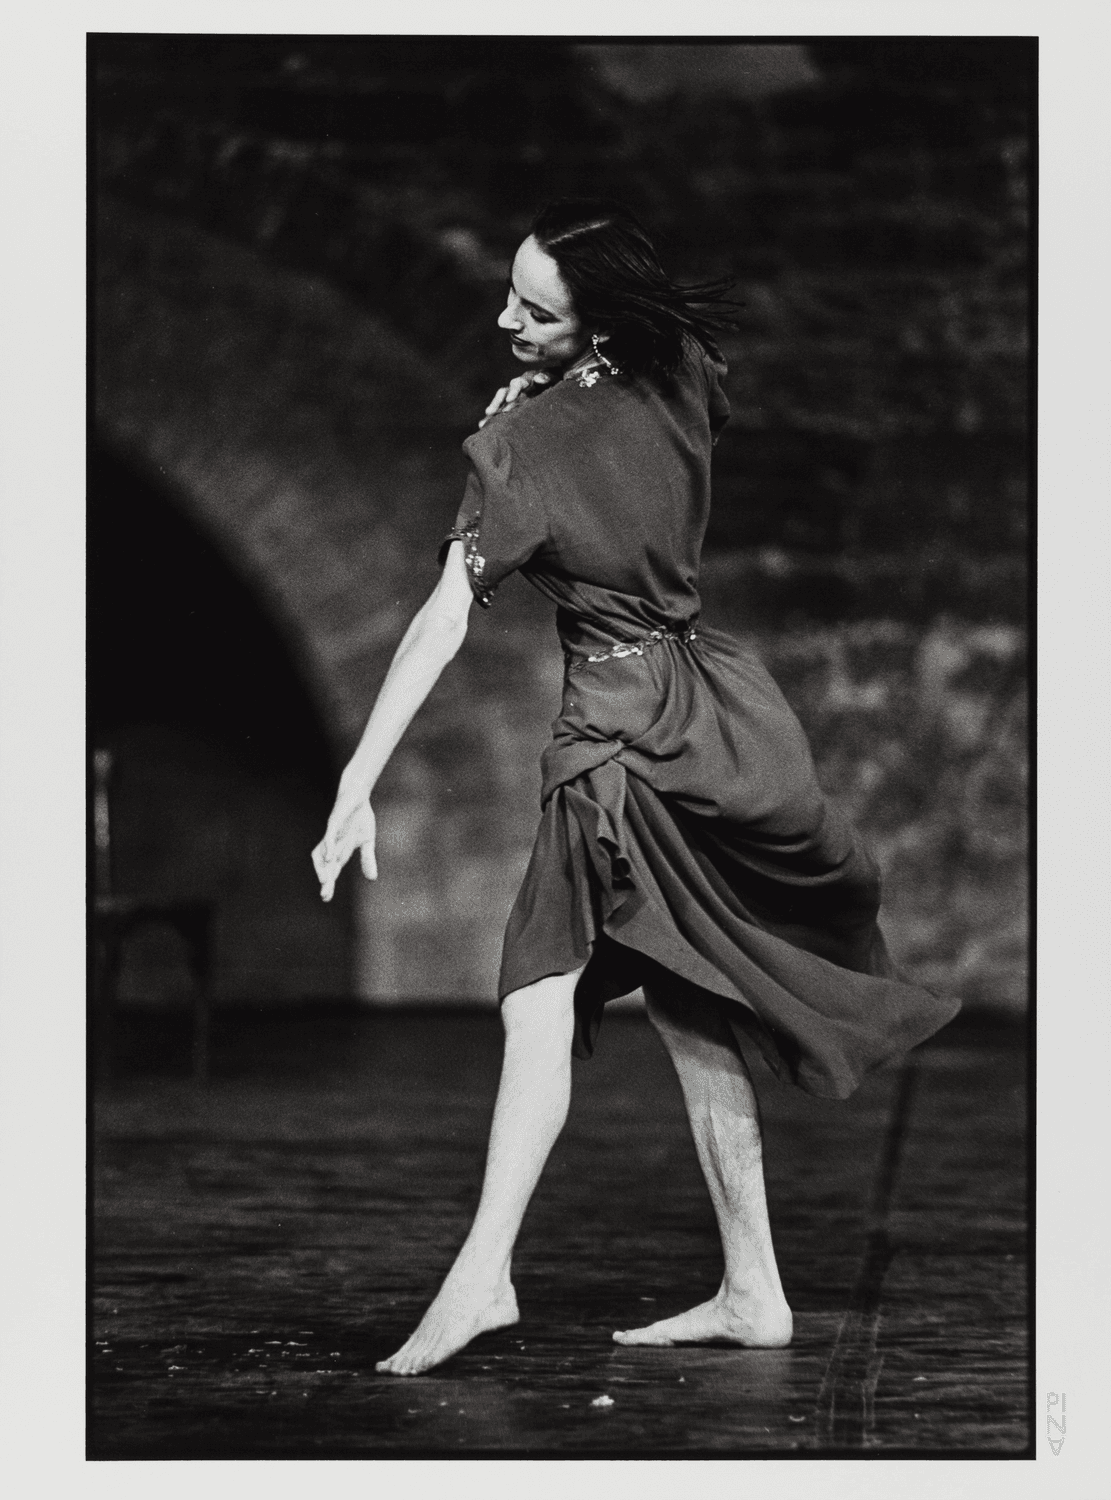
x: 609, y: 364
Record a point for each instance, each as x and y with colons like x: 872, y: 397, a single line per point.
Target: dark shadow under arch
x: 176, y: 637
x: 223, y: 771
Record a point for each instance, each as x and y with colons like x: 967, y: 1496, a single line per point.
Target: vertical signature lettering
x: 1055, y: 1429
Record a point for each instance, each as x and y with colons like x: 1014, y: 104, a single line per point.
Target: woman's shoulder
x: 568, y: 415
x: 515, y: 447
x: 706, y: 370
x: 705, y: 364
x: 555, y: 414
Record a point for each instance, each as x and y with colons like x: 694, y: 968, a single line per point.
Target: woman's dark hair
x: 619, y: 287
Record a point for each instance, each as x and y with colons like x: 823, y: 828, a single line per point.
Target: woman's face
x: 545, y: 327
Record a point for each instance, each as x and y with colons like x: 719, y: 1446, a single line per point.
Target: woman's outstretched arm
x: 435, y: 635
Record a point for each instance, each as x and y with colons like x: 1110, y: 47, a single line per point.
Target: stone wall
x: 300, y: 258
x: 322, y: 459
x: 874, y: 217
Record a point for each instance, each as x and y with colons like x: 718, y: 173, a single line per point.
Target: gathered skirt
x: 683, y: 834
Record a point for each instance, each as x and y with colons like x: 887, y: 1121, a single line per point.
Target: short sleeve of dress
x: 502, y: 521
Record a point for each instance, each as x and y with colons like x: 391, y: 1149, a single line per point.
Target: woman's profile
x: 684, y: 845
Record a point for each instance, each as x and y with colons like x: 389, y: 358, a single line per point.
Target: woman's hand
x: 510, y: 394
x: 350, y: 827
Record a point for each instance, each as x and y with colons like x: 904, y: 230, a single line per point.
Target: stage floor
x: 262, y: 1241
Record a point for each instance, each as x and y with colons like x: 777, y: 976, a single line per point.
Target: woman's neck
x: 585, y: 361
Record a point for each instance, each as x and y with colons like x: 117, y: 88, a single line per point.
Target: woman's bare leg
x: 750, y: 1307
x: 533, y: 1099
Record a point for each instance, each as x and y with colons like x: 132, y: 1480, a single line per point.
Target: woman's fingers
x: 507, y: 394
x: 321, y: 859
x: 367, y: 832
x: 350, y: 827
x: 328, y: 870
x: 495, y: 405
x: 326, y: 873
x: 510, y: 394
x: 327, y: 864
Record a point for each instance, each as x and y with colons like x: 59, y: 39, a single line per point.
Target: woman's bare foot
x: 461, y: 1311
x: 756, y: 1322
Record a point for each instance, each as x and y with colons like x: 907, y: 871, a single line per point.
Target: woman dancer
x: 684, y: 844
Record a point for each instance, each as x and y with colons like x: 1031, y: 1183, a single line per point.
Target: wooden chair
x: 116, y: 917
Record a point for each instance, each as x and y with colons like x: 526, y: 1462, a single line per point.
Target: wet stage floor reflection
x: 261, y: 1242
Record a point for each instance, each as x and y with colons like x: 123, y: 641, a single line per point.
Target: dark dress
x: 683, y: 829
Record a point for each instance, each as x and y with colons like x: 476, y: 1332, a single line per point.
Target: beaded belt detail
x: 684, y: 635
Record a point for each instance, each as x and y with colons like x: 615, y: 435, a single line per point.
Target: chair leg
x: 200, y: 943
x: 200, y: 1034
x: 104, y: 1005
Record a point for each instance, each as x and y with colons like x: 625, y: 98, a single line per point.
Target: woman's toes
x: 636, y: 1336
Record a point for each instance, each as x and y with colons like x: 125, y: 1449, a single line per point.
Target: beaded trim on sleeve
x: 474, y: 561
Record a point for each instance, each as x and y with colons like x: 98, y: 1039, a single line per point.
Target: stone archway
x: 321, y: 455
x: 285, y: 421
